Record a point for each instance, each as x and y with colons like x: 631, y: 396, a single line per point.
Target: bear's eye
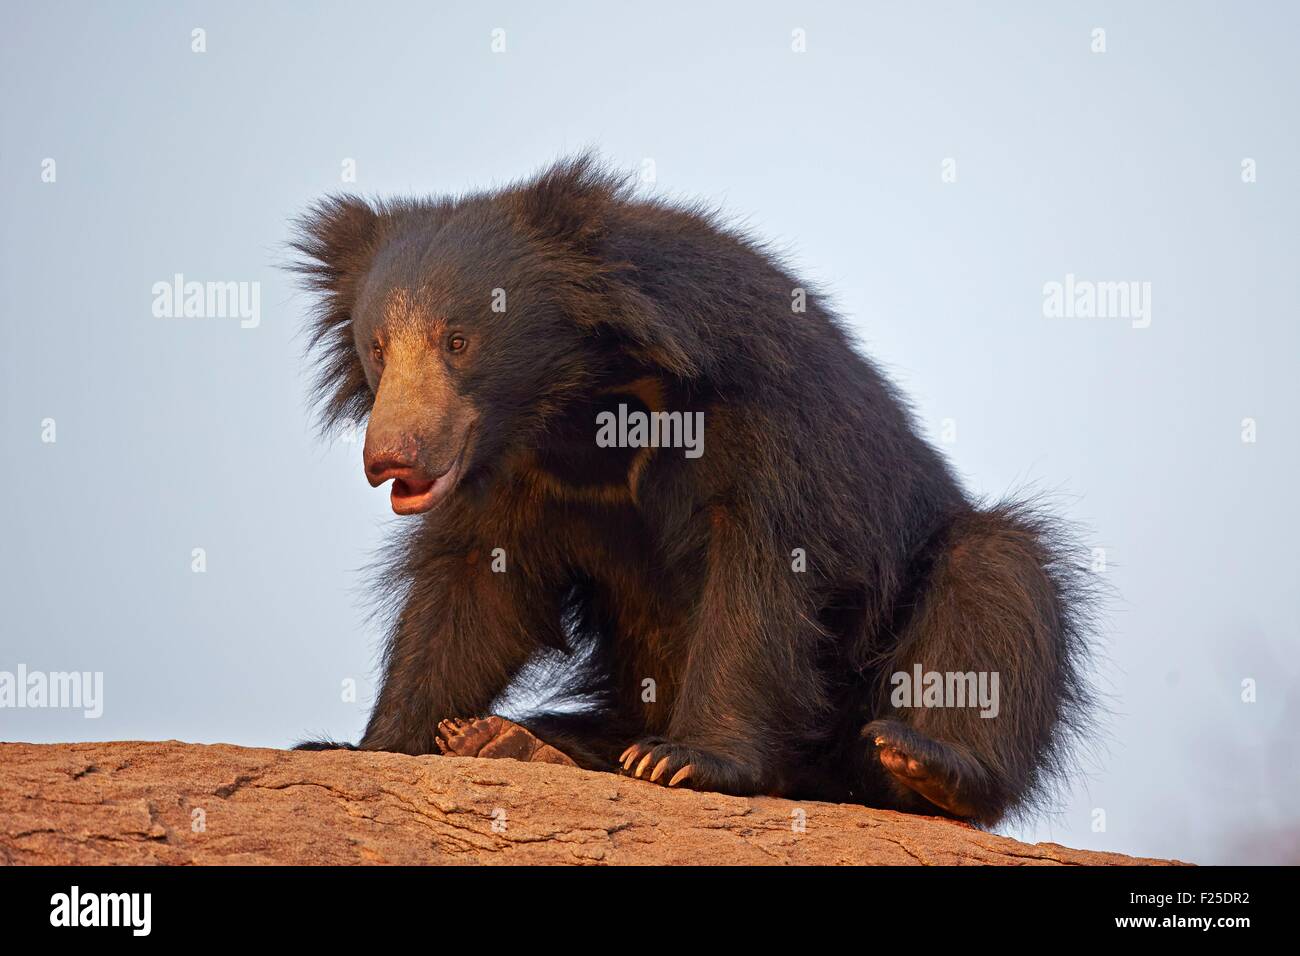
x: 377, y: 353
x: 456, y: 342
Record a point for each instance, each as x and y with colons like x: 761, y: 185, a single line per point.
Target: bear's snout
x: 399, y: 456
x: 418, y: 432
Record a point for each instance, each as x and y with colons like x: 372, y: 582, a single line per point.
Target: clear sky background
x: 1123, y: 165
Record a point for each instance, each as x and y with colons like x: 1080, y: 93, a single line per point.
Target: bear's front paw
x: 677, y: 765
x: 658, y: 761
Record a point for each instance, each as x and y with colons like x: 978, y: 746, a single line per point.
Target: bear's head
x: 461, y: 328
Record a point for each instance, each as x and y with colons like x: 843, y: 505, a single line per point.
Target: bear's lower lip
x: 409, y: 497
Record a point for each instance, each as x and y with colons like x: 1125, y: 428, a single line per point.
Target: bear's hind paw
x: 495, y: 737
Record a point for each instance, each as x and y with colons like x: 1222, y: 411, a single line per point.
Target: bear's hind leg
x: 1000, y: 620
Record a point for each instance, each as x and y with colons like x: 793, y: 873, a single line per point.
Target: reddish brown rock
x: 173, y: 802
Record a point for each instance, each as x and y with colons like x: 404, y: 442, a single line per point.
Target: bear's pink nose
x: 390, y: 453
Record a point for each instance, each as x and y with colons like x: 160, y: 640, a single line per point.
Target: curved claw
x: 680, y: 775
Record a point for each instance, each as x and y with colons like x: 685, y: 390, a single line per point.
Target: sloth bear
x: 747, y: 619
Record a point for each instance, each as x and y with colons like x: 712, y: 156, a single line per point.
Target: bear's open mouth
x: 410, y: 496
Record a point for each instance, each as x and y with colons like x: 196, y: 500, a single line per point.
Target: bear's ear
x: 567, y: 207
x: 336, y: 240
x: 566, y: 203
x: 335, y: 237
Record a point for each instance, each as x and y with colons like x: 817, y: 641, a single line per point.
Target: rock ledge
x: 172, y: 802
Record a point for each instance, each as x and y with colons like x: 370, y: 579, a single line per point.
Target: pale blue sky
x: 174, y: 434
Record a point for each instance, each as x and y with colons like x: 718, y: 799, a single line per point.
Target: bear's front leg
x: 462, y: 636
x: 749, y: 687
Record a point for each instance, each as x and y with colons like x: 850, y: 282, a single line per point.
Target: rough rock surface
x: 172, y: 802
